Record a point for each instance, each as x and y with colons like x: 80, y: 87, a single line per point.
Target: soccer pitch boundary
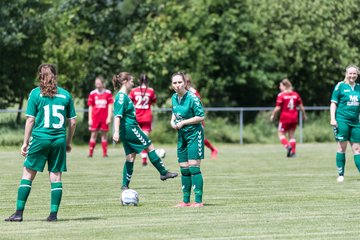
x: 250, y: 192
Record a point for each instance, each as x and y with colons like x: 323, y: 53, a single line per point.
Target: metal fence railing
x: 239, y: 110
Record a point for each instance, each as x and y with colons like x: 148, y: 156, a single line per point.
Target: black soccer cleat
x: 168, y: 175
x: 16, y: 217
x: 52, y: 217
x: 123, y: 188
x: 288, y: 148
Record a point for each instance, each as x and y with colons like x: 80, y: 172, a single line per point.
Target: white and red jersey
x: 100, y: 102
x: 194, y: 91
x: 288, y: 103
x: 143, y: 98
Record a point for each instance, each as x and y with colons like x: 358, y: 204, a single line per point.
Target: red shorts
x: 145, y: 126
x: 99, y: 126
x: 285, y: 127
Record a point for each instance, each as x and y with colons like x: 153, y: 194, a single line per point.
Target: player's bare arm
x: 276, y: 110
x: 70, y: 135
x: 90, y: 116
x: 28, y: 129
x: 116, y: 129
x: 110, y: 110
x: 302, y: 109
x: 333, y: 121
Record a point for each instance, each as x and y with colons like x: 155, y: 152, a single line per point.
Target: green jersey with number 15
x: 347, y: 99
x: 50, y: 113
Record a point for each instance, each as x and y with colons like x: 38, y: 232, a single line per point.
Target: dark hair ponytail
x: 120, y: 78
x: 143, y: 80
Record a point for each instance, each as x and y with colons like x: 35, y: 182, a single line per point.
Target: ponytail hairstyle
x: 143, y: 80
x: 287, y: 84
x: 47, y: 77
x: 119, y: 79
x: 187, y: 81
x: 351, y: 66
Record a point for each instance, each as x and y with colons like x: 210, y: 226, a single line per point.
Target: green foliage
x: 21, y: 45
x: 83, y: 39
x: 317, y: 128
x: 217, y: 129
x: 162, y: 132
x: 262, y: 130
x: 222, y: 130
x: 236, y: 51
x: 11, y: 133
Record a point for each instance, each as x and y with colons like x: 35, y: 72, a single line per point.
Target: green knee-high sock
x: 156, y: 161
x: 56, y: 194
x: 340, y: 163
x: 357, y: 161
x: 186, y: 184
x: 127, y: 173
x: 23, y: 194
x: 198, y: 183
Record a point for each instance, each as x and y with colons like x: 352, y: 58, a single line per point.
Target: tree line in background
x: 236, y: 51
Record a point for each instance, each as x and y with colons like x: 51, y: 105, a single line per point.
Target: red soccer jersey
x: 143, y: 98
x: 100, y: 102
x: 288, y: 102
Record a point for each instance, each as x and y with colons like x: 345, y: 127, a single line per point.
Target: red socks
x: 284, y: 141
x: 104, y: 145
x: 91, y: 148
x: 208, y: 144
x: 144, y: 156
x: 293, y: 145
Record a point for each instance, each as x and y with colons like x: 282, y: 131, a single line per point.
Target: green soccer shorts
x: 134, y: 140
x: 52, y: 151
x: 347, y: 132
x: 190, y: 145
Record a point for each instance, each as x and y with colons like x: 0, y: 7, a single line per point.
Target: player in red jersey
x: 214, y: 150
x: 287, y: 102
x: 100, y: 102
x: 143, y: 97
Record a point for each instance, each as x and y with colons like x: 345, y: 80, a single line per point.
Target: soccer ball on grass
x: 129, y: 197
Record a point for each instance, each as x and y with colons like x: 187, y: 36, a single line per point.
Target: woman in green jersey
x: 128, y: 130
x: 344, y: 117
x: 49, y: 109
x: 187, y: 115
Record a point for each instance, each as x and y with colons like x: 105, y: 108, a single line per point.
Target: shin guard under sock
x: 23, y: 194
x: 156, y: 161
x: 186, y: 183
x: 127, y: 173
x: 357, y: 161
x: 56, y: 194
x: 340, y: 163
x: 197, y: 182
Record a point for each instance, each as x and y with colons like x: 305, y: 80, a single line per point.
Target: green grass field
x: 251, y: 192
